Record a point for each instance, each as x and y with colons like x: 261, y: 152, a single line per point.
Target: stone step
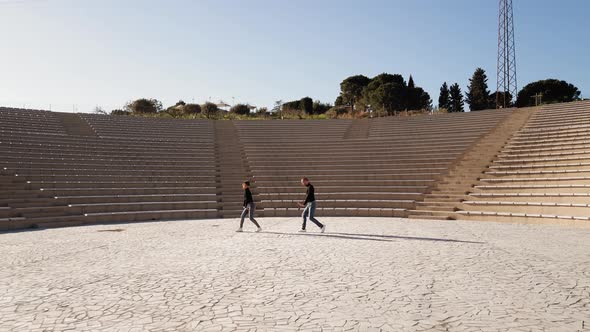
x: 449, y: 204
x: 428, y: 217
x: 431, y: 214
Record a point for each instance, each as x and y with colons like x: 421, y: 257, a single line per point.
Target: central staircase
x: 358, y: 129
x: 232, y: 169
x: 74, y: 124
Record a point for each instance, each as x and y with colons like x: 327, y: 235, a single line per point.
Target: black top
x: 310, y: 195
x: 248, y: 197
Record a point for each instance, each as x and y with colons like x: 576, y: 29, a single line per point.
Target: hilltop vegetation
x: 383, y: 95
x: 291, y: 110
x: 547, y: 92
x: 479, y: 97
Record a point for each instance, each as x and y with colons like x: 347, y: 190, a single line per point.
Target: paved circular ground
x: 364, y: 274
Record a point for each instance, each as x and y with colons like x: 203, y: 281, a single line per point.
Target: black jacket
x: 310, y: 194
x: 248, y: 197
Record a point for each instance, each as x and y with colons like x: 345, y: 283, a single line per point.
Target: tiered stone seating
x: 449, y: 191
x: 149, y: 128
x: 383, y: 174
x: 50, y: 178
x: 542, y: 173
x: 58, y: 169
x: 438, y: 127
x: 25, y: 121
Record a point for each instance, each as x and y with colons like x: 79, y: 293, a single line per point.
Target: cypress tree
x: 444, y: 97
x: 411, y: 84
x: 456, y: 99
x: 412, y: 95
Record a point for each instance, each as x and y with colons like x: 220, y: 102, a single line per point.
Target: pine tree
x: 444, y: 98
x: 478, y: 93
x: 351, y: 89
x: 456, y: 99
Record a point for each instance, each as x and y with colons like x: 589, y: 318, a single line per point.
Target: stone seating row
x: 555, y: 134
x: 31, y: 145
x: 41, y: 155
x: 520, y: 216
x: 44, y: 138
x: 254, y: 148
x: 107, y: 217
x: 569, y: 147
x: 547, y: 143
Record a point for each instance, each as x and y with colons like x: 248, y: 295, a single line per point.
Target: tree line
x: 303, y: 108
x: 208, y: 110
x: 385, y: 93
x: 306, y: 105
x: 479, y: 97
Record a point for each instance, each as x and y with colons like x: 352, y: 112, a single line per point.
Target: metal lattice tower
x: 507, y: 85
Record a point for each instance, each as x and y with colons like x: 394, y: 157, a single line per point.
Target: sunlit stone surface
x: 364, y: 274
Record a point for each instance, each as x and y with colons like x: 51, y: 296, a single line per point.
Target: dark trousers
x: 310, y: 211
x: 249, y: 210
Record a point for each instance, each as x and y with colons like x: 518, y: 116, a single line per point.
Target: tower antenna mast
x: 507, y: 85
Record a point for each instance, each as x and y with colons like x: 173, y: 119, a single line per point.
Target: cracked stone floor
x: 364, y: 274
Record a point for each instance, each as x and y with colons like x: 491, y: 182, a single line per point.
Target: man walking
x: 309, y: 206
x: 249, y: 208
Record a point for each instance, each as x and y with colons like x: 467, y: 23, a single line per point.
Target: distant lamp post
x: 538, y: 99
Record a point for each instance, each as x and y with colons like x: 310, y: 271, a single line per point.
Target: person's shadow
x: 374, y: 237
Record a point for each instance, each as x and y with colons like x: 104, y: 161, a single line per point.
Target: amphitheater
x: 451, y: 222
x: 60, y: 169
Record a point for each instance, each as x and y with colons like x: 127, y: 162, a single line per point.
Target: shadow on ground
x: 373, y: 237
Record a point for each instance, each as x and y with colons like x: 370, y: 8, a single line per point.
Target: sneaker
x: 239, y: 230
x: 323, y: 229
x: 302, y: 231
x: 259, y: 230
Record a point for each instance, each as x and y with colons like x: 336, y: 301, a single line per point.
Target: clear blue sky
x: 107, y: 52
